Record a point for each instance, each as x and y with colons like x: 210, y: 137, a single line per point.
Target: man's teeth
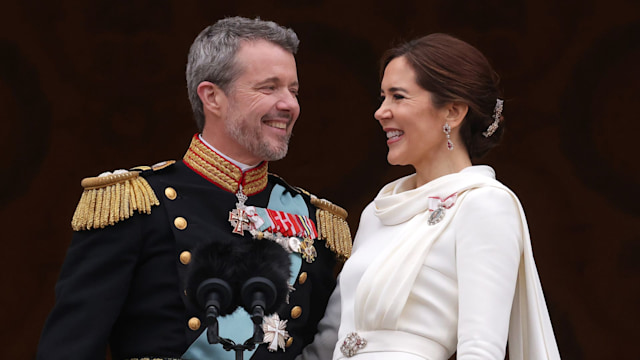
x: 394, y: 133
x: 277, y: 124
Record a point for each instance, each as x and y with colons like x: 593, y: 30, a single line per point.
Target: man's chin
x: 277, y: 153
x: 276, y: 157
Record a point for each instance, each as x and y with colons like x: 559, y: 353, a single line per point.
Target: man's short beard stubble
x: 253, y: 140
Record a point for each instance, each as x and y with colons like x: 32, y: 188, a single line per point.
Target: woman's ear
x: 456, y: 112
x: 214, y: 100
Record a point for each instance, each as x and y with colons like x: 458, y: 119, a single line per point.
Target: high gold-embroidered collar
x: 220, y: 171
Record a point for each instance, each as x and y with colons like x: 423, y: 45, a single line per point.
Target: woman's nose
x: 382, y: 113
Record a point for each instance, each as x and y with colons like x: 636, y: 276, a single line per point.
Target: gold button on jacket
x: 185, y: 257
x: 180, y: 223
x: 302, y: 278
x: 170, y: 193
x: 194, y: 323
x: 296, y: 312
x: 289, y: 341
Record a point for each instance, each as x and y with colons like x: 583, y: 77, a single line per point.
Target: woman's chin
x: 392, y: 159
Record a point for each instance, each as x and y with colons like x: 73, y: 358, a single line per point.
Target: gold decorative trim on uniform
x: 212, y: 166
x: 155, y: 167
x: 333, y: 227
x: 111, y: 198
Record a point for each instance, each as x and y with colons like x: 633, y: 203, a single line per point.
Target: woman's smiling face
x: 409, y: 118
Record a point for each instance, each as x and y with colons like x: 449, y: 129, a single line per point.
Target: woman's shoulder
x: 489, y: 187
x: 368, y: 211
x: 490, y: 214
x: 495, y: 196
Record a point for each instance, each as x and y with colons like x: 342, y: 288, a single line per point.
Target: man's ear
x: 214, y: 100
x: 456, y: 112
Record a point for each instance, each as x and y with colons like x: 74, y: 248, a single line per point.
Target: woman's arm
x: 488, y: 252
x: 326, y: 338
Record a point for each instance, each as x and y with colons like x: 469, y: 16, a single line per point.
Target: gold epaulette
x: 331, y: 223
x: 332, y: 227
x: 110, y: 198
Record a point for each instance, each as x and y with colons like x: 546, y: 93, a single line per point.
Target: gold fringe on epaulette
x: 112, y: 198
x: 333, y: 228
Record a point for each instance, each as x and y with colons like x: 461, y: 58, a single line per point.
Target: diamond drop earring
x: 447, y: 130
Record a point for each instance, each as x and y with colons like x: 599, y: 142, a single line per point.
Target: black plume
x: 235, y: 260
x: 269, y: 260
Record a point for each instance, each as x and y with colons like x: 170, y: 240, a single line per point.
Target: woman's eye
x: 398, y: 97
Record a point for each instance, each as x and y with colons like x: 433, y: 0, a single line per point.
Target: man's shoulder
x: 317, y: 202
x: 330, y: 219
x: 277, y: 179
x: 114, y: 196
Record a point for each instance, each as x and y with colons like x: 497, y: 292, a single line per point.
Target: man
x: 128, y: 279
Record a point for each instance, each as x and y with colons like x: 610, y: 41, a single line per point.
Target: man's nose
x: 288, y: 102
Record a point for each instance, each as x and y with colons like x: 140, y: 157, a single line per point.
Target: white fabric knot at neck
x: 399, y: 201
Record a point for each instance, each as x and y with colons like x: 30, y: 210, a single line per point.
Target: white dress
x: 416, y: 291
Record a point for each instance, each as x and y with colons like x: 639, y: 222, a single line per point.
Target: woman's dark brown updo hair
x: 454, y: 71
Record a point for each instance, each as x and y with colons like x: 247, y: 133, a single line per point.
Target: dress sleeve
x: 488, y: 253
x: 326, y: 338
x: 92, y: 286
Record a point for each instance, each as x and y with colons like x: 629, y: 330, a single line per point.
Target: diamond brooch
x: 351, y: 344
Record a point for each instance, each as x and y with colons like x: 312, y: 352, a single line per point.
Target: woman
x: 442, y: 260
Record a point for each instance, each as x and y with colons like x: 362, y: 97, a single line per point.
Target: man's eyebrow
x: 275, y: 79
x: 269, y: 80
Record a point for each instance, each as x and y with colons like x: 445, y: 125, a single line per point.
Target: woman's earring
x: 447, y: 130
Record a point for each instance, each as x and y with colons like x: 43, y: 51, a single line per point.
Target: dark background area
x: 91, y: 86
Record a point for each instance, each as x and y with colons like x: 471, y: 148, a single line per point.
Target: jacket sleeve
x: 92, y: 286
x: 488, y: 253
x: 326, y: 338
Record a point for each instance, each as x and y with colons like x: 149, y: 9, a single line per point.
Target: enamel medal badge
x: 238, y: 217
x: 438, y: 207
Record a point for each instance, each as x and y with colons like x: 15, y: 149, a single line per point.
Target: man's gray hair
x: 213, y: 52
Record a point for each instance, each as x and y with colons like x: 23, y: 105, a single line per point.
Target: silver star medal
x: 275, y: 332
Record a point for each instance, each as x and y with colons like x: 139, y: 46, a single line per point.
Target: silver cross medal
x: 238, y: 216
x: 275, y: 333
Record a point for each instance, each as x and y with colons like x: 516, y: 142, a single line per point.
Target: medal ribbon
x: 287, y: 224
x: 436, y: 202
